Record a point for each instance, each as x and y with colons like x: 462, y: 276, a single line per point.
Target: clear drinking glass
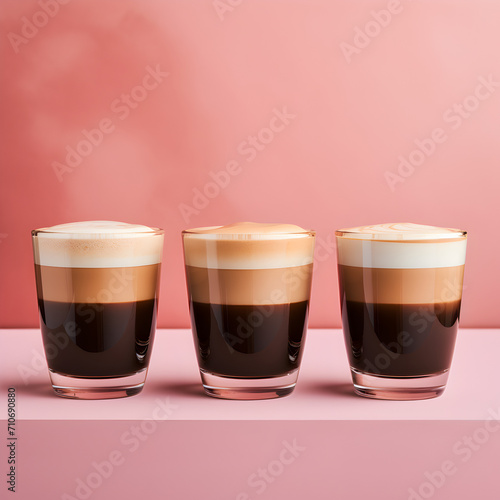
x: 249, y: 286
x: 97, y: 285
x: 400, y: 295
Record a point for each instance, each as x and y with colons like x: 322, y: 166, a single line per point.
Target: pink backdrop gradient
x: 356, y: 103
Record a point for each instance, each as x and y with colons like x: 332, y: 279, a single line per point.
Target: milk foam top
x: 248, y: 245
x: 401, y: 246
x: 97, y: 244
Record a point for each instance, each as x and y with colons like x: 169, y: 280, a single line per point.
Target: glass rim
x: 199, y: 233
x: 441, y: 234
x: 69, y: 235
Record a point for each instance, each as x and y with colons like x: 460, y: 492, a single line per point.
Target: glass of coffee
x: 249, y: 286
x: 400, y: 294
x: 97, y: 285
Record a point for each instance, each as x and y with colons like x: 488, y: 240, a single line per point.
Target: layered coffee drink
x: 249, y: 287
x: 400, y: 292
x: 97, y: 287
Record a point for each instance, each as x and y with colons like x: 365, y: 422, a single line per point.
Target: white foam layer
x: 398, y: 231
x: 97, y: 244
x: 248, y: 245
x: 95, y: 229
x: 401, y: 246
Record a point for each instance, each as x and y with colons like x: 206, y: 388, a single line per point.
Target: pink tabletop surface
x: 324, y: 389
x: 321, y: 442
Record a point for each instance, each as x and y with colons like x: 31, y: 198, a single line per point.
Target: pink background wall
x: 358, y: 103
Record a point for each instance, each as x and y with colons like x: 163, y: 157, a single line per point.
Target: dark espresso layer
x: 400, y: 339
x: 97, y: 340
x: 249, y: 340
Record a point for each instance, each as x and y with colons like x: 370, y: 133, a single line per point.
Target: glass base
x: 399, y: 388
x: 222, y: 387
x: 97, y: 388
